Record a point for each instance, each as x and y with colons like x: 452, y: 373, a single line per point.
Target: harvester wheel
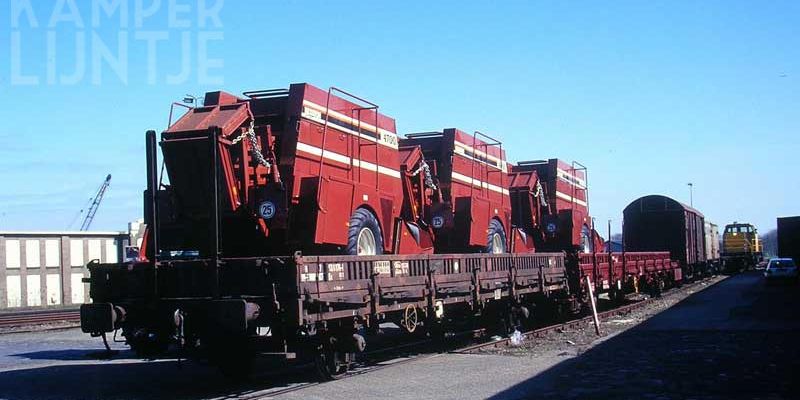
x: 364, y: 234
x: 496, y: 238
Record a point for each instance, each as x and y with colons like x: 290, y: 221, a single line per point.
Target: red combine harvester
x: 391, y: 230
x: 472, y: 208
x: 551, y: 211
x: 325, y: 172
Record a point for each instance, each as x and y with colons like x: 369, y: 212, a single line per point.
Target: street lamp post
x: 691, y: 195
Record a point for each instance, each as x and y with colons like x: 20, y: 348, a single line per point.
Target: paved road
x: 737, y: 339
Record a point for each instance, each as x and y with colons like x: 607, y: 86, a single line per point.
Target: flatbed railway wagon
x: 320, y: 307
x: 252, y: 179
x: 619, y: 273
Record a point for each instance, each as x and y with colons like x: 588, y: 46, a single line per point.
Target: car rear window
x: 781, y: 264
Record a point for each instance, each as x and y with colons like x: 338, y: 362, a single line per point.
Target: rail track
x: 25, y: 318
x: 571, y: 324
x: 379, y: 359
x: 371, y: 361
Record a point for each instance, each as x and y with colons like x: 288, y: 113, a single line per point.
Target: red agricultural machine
x: 472, y: 210
x: 324, y: 172
x: 294, y: 222
x: 550, y: 207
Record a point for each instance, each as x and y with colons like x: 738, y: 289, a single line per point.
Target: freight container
x: 789, y: 238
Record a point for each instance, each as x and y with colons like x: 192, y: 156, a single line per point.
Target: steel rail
x: 23, y: 318
x: 571, y: 324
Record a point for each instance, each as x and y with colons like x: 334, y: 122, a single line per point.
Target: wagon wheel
x: 410, y: 319
x: 332, y: 364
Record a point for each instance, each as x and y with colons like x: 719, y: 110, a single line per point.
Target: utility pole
x: 691, y: 199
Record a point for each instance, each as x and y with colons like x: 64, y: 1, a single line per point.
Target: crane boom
x: 95, y: 203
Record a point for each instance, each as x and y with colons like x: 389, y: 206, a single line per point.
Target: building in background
x: 46, y: 269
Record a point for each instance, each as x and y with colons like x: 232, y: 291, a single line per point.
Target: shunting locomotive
x: 741, y: 247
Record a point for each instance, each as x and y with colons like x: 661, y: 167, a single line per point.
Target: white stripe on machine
x: 573, y: 180
x: 462, y: 149
x: 479, y: 183
x: 316, y: 113
x: 329, y: 155
x: 570, y: 198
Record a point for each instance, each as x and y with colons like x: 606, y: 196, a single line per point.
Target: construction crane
x: 95, y: 204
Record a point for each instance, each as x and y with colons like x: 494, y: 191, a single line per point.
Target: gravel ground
x: 577, y: 341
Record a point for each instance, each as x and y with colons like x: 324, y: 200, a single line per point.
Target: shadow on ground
x: 134, y: 379
x: 75, y: 355
x: 738, y: 339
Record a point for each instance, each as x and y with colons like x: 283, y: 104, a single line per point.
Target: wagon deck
x: 311, y: 294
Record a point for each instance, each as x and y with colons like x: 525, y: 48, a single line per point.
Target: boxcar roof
x: 658, y: 203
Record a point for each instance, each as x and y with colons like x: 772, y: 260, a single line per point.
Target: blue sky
x: 648, y: 95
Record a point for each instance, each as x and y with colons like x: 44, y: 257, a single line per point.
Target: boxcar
x: 657, y: 223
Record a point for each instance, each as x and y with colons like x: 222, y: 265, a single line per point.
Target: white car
x: 781, y: 268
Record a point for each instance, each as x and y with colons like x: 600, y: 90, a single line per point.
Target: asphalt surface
x: 737, y: 339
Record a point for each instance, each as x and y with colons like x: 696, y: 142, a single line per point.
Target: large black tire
x: 362, y: 220
x: 496, y: 229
